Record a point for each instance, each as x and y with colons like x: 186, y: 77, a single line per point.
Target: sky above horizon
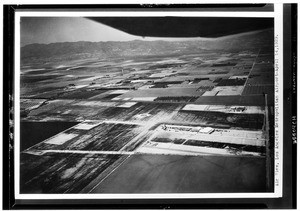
x: 72, y: 29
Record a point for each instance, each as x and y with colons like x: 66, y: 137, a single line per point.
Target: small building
x: 207, y: 130
x: 196, y: 129
x: 238, y: 109
x: 177, y: 128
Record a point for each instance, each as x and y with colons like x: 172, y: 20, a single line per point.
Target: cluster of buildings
x: 181, y: 128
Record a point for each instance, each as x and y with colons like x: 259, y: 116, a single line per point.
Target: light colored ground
x: 86, y: 125
x: 120, y: 91
x: 145, y: 87
x: 127, y: 105
x: 162, y: 92
x: 135, y: 99
x: 225, y: 90
x: 183, y: 85
x: 91, y: 78
x: 243, y: 137
x: 179, y: 149
x: 95, y: 103
x: 194, y: 107
x: 60, y: 138
x: 143, y: 98
x: 238, y: 76
x: 223, y: 108
x: 157, y: 75
x: 229, y: 90
x: 210, y: 93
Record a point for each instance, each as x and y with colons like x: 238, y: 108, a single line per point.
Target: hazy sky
x: 71, y: 29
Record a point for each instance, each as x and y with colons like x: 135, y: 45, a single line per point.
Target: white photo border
x: 278, y: 63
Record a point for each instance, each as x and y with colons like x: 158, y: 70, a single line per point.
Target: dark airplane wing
x: 185, y: 26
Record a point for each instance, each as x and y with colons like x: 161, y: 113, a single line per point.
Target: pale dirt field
x: 60, y: 138
x: 179, y: 149
x: 86, y: 125
x: 223, y: 108
x: 243, y: 137
x: 225, y: 90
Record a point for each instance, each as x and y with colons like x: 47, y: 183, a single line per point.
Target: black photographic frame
x: 290, y: 113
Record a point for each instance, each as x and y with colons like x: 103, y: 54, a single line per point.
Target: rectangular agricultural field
x: 36, y: 78
x: 32, y: 133
x: 67, y: 113
x: 232, y: 82
x: 140, y: 112
x: 102, y: 137
x: 82, y: 94
x: 261, y: 79
x: 263, y: 68
x: 225, y: 90
x: 220, y: 119
x: 61, y: 172
x: 183, y: 99
x: 162, y: 92
x: 256, y: 90
x: 32, y: 89
x: 71, y: 110
x: 105, y: 137
x: 249, y: 100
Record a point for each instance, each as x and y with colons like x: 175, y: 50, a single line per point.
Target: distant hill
x: 79, y: 50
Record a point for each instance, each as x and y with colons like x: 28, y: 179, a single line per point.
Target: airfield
x: 196, y: 123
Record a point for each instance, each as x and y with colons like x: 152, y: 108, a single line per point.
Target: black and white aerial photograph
x: 146, y: 104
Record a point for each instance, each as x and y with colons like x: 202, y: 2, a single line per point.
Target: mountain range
x: 84, y: 49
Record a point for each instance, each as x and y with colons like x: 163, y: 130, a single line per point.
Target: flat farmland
x: 37, y: 78
x: 29, y: 104
x: 261, y: 79
x: 69, y: 113
x: 183, y: 99
x: 235, y: 140
x: 64, y: 109
x: 105, y: 137
x: 249, y: 100
x: 51, y: 105
x: 50, y: 95
x: 238, y: 147
x: 74, y: 109
x: 232, y: 82
x: 27, y: 89
x: 82, y: 94
x: 265, y: 59
x: 186, y: 174
x: 209, y: 118
x: 32, y: 133
x: 162, y: 92
x: 106, y: 124
x: 61, y: 173
x: 263, y: 68
x: 37, y: 71
x: 140, y: 112
x: 97, y: 110
x: 102, y: 137
x: 256, y: 90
